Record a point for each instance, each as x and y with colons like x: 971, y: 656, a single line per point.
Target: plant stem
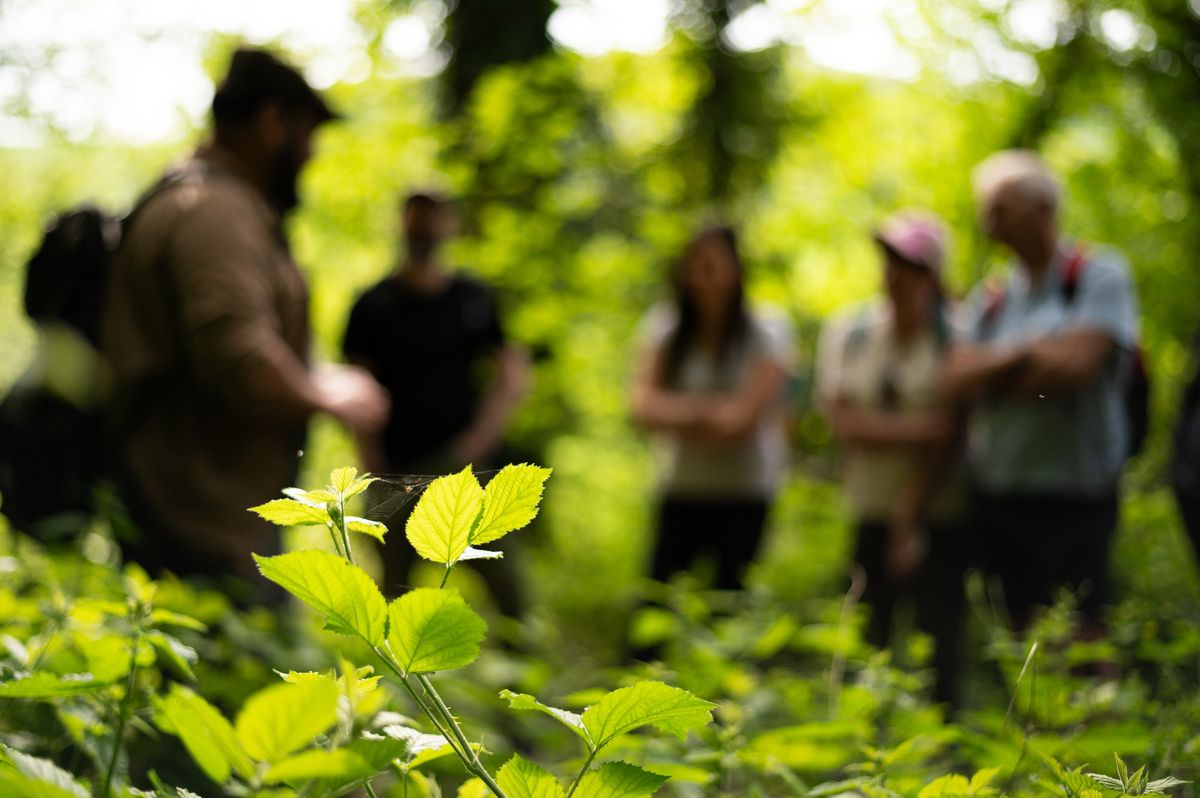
x: 445, y: 577
x: 122, y: 715
x: 475, y: 765
x: 423, y: 705
x: 371, y: 790
x: 341, y: 525
x: 582, y: 771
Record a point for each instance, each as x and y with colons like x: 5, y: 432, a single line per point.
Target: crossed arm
x: 1059, y: 364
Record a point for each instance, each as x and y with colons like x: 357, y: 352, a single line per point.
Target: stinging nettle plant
x: 321, y: 734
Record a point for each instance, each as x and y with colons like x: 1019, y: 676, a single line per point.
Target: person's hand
x: 905, y: 550
x: 352, y: 396
x: 972, y: 369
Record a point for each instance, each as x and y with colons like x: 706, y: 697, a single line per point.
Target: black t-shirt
x: 431, y: 352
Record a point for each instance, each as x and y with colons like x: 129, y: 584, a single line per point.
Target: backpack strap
x: 1077, y: 260
x: 993, y: 304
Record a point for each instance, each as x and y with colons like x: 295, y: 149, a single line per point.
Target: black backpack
x: 1137, y: 389
x: 51, y: 449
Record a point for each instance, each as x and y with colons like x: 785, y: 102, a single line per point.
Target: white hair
x: 1024, y: 169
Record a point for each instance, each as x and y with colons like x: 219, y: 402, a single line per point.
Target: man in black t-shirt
x: 433, y: 339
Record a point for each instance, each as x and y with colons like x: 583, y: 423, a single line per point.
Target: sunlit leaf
x: 433, y: 630
x: 571, y: 720
x: 440, y: 525
x: 340, y: 764
x: 205, y: 733
x: 365, y: 526
x: 667, y: 708
x: 43, y: 770
x: 520, y: 778
x: 340, y: 591
x: 471, y: 553
x: 619, y: 780
x: 510, y: 501
x: 177, y: 657
x: 289, y: 512
x: 47, y: 685
x: 283, y: 718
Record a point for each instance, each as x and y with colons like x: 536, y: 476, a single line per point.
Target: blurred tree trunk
x: 482, y: 34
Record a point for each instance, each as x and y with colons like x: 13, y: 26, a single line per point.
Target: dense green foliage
x: 581, y: 178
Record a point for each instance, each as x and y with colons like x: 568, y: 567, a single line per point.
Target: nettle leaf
x: 981, y: 781
x: 365, y: 526
x: 47, y: 685
x: 1162, y: 785
x: 285, y: 717
x: 205, y: 733
x: 340, y: 591
x: 347, y: 483
x: 440, y: 525
x: 619, y: 780
x: 510, y: 501
x: 1107, y: 781
x: 341, y: 764
x: 571, y: 720
x: 169, y: 618
x: 667, y: 708
x: 433, y: 630
x: 43, y: 770
x: 289, y: 512
x: 470, y: 553
x: 14, y: 785
x: 175, y: 655
x: 949, y: 785
x: 520, y: 778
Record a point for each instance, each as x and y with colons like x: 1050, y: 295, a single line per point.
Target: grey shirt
x: 1071, y: 443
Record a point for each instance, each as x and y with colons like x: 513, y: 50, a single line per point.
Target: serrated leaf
x: 419, y: 747
x: 433, y: 630
x: 177, y: 657
x: 43, y: 770
x: 1091, y: 794
x: 510, y: 501
x: 667, y: 708
x: 47, y: 685
x: 480, y: 554
x: 340, y: 591
x: 168, y: 618
x: 982, y: 779
x: 364, y: 526
x: 14, y: 785
x: 1107, y: 781
x: 949, y: 785
x: 440, y: 525
x: 572, y: 720
x: 520, y: 778
x: 340, y: 764
x: 378, y: 750
x: 619, y: 780
x: 346, y: 483
x: 285, y: 717
x: 316, y: 498
x: 1162, y: 785
x: 289, y: 512
x: 205, y: 733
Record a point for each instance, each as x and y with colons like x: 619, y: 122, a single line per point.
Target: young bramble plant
x: 424, y: 631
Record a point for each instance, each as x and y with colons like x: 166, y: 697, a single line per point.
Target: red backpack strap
x: 1077, y: 260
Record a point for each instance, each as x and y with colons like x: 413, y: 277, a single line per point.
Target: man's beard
x: 284, y: 192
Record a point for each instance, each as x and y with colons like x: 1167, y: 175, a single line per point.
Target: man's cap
x: 916, y: 237
x: 256, y: 76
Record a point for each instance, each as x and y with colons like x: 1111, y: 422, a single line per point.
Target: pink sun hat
x: 916, y: 236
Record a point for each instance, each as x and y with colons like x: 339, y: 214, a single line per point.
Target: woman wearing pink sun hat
x: 878, y: 375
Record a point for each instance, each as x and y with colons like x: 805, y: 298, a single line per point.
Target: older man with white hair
x: 1046, y: 374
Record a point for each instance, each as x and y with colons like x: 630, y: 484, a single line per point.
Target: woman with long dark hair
x: 711, y: 383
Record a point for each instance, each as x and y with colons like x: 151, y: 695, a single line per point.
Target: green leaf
x: 289, y: 512
x: 419, y: 747
x: 619, y: 780
x: 44, y: 770
x: 168, y: 618
x: 364, y: 526
x: 316, y: 498
x: 285, y: 717
x: 952, y: 784
x: 47, y: 685
x: 433, y: 630
x: 982, y: 779
x: 340, y: 764
x: 440, y: 525
x: 347, y: 484
x: 572, y: 720
x: 14, y: 785
x: 1107, y: 781
x: 1162, y: 785
x: 667, y: 708
x: 205, y: 733
x: 510, y: 501
x: 378, y: 750
x: 175, y: 655
x: 340, y: 591
x: 475, y: 788
x: 520, y: 778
